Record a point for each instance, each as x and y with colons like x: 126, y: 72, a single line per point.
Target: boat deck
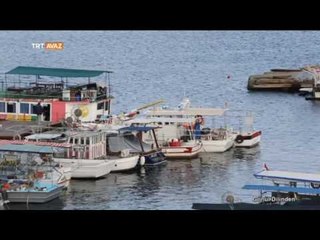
x: 290, y: 176
x: 14, y: 129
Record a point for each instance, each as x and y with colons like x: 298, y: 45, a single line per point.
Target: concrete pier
x: 289, y: 80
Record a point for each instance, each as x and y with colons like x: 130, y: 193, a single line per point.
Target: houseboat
x: 44, y: 98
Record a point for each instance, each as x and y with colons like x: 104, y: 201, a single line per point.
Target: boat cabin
x: 53, y: 100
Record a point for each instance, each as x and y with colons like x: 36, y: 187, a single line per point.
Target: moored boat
x: 150, y: 153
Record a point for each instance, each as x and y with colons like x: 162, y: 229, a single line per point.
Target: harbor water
x: 212, y: 69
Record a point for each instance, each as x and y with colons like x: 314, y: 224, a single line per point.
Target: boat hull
x: 217, y: 145
x: 125, y: 164
x: 156, y: 158
x: 182, y: 152
x: 83, y: 168
x: 34, y: 196
x: 249, y: 140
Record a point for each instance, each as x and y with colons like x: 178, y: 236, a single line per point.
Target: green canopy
x: 55, y: 72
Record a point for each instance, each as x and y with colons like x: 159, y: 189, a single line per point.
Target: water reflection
x: 247, y: 153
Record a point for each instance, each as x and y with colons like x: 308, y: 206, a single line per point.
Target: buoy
x: 228, y: 76
x: 142, y: 160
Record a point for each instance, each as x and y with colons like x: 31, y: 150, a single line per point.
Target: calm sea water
x: 149, y: 65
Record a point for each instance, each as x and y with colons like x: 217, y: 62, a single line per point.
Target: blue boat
x: 289, y: 191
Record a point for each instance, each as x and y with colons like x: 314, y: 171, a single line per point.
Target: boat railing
x: 206, y: 134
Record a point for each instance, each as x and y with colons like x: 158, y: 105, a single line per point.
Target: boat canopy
x: 189, y: 112
x: 160, y: 119
x: 55, y: 72
x: 269, y: 188
x: 4, y: 142
x: 43, y: 136
x: 288, y: 176
x: 137, y: 128
x: 27, y: 148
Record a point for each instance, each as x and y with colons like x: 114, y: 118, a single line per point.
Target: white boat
x: 180, y: 124
x: 86, y: 153
x: 248, y: 137
x: 88, y: 156
x: 215, y: 140
x: 176, y: 149
x: 126, y: 163
x: 217, y: 146
x: 87, y: 168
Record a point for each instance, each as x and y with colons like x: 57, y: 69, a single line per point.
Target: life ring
x: 315, y: 185
x: 239, y: 139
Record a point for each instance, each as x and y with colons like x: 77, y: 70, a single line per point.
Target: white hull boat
x: 250, y: 139
x: 125, y: 164
x: 217, y: 145
x: 183, y: 151
x: 87, y: 168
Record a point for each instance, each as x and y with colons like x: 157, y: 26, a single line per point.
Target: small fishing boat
x: 18, y: 157
x: 247, y: 137
x: 150, y: 153
x: 25, y: 191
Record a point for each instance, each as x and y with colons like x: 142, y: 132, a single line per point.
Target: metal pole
x: 155, y: 138
x: 140, y: 141
x: 108, y: 92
